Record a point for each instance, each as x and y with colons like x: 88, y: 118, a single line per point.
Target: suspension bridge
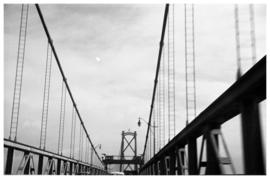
x: 194, y: 150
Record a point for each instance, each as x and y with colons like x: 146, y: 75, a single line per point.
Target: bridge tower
x: 129, y: 141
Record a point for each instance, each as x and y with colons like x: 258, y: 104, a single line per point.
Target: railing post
x: 192, y: 157
x: 212, y: 165
x: 70, y: 168
x: 179, y: 168
x: 83, y: 169
x: 40, y: 164
x: 155, y: 168
x: 172, y: 162
x: 79, y: 169
x: 52, y: 167
x: 9, y: 162
x: 27, y: 165
x: 65, y: 167
x: 162, y: 165
x: 58, y: 170
x: 90, y: 170
x: 252, y: 139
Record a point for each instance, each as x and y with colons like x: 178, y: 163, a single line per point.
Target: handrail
x: 225, y: 107
x: 35, y: 150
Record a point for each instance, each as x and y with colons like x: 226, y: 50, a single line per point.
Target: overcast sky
x: 109, y: 54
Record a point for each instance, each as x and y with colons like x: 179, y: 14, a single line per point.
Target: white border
x: 132, y: 2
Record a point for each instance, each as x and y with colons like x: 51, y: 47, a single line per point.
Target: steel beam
x: 252, y: 139
x: 178, y: 169
x: 80, y: 169
x: 155, y: 168
x: 122, y: 161
x: 9, y: 163
x: 65, y: 167
x: 192, y: 157
x: 212, y: 163
x: 162, y: 165
x: 40, y: 164
x: 172, y: 162
x: 58, y: 170
x: 27, y: 165
x: 70, y: 168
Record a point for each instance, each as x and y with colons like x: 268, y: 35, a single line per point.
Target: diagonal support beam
x: 129, y: 144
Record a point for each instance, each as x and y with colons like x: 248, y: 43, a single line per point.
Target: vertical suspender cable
x: 190, y: 63
x: 46, y: 97
x: 82, y: 146
x: 245, y: 43
x: 86, y: 151
x: 19, y: 74
x: 185, y: 15
x: 72, y: 136
x: 171, y: 75
x: 252, y: 32
x: 62, y: 119
x: 237, y: 38
x: 168, y: 70
x: 150, y: 144
x: 163, y: 98
x: 153, y: 128
x: 159, y: 114
x: 194, y: 64
x: 80, y: 136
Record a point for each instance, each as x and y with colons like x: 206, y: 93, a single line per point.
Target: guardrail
x: 65, y: 165
x: 241, y: 98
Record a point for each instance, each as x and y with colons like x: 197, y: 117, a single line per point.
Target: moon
x: 98, y: 59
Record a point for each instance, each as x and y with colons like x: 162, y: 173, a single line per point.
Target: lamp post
x: 154, y: 131
x: 97, y: 146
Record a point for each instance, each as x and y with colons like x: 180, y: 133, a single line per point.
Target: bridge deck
x: 225, y: 107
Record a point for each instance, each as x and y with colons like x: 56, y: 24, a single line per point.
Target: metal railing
x: 241, y: 98
x: 61, y: 159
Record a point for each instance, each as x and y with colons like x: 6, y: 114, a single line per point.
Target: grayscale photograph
x: 159, y: 88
